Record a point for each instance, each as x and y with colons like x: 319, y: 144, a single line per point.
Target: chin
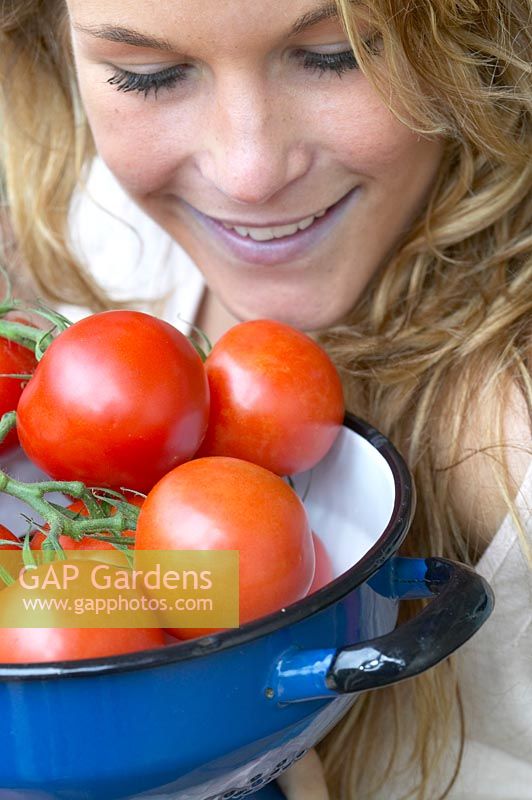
x: 301, y: 315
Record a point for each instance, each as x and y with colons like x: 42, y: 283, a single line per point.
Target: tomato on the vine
x: 5, y: 533
x: 30, y: 645
x: 229, y: 504
x: 276, y: 398
x: 87, y: 543
x: 56, y: 643
x: 14, y: 359
x: 118, y: 399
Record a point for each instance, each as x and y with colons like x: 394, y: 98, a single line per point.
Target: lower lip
x: 277, y: 251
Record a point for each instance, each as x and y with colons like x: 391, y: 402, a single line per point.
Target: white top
x: 495, y: 667
x: 131, y: 256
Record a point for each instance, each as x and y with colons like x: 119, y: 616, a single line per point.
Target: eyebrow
x: 121, y: 35
x: 311, y: 18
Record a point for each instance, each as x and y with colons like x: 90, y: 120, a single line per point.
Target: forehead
x: 205, y: 19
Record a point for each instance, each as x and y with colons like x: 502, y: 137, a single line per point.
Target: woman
x: 363, y: 173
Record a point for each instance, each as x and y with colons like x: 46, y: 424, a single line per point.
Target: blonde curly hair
x: 447, y: 321
x: 449, y: 313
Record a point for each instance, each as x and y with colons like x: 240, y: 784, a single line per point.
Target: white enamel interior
x: 350, y: 498
x: 349, y: 501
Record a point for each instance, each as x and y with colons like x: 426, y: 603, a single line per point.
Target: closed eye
x: 142, y: 82
x: 328, y: 62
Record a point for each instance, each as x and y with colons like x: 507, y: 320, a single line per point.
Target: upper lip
x: 278, y: 223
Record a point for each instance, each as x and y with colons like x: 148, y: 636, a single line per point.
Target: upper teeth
x: 265, y: 234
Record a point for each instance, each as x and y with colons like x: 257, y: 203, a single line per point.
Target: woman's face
x: 247, y: 132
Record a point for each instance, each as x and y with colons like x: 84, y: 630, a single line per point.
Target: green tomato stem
x: 32, y: 494
x: 60, y: 520
x: 27, y: 555
x: 7, y: 423
x: 92, y: 505
x: 6, y: 577
x: 35, y: 339
x: 203, y: 349
x: 25, y: 335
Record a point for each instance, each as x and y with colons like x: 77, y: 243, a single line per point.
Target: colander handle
x: 462, y: 602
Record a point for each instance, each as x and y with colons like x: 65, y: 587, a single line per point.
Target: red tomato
x: 6, y: 534
x: 8, y: 563
x: 229, y: 504
x: 324, y: 570
x: 14, y: 359
x: 276, y: 398
x: 119, y: 399
x: 87, y: 543
x: 30, y: 645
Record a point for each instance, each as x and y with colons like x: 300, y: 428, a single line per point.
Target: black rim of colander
x: 387, y: 544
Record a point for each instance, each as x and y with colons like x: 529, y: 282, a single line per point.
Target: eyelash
x: 327, y: 62
x: 125, y: 81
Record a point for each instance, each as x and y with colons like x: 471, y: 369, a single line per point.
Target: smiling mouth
x: 267, y: 233
x: 274, y: 244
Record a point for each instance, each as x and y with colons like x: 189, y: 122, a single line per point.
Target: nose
x: 252, y: 146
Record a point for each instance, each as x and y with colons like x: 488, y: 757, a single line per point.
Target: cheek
x: 140, y: 140
x: 370, y: 141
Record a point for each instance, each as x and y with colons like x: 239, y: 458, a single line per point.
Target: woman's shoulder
x: 127, y: 253
x: 490, y: 466
x: 121, y: 246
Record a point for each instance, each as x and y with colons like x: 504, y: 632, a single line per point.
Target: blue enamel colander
x: 221, y: 716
